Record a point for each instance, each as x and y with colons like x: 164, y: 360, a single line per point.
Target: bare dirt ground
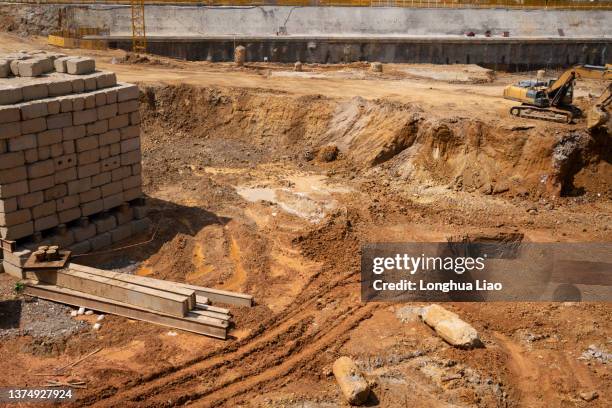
x: 244, y: 199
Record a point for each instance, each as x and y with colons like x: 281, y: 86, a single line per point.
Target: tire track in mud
x: 268, y: 333
x: 330, y: 244
x: 313, y: 346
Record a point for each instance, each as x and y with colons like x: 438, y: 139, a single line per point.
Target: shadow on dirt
x: 168, y: 220
x: 10, y: 314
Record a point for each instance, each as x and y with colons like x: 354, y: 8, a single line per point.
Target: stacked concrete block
x: 70, y: 162
x: 37, y: 63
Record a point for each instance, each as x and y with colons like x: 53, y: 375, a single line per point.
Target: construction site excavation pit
x: 267, y: 181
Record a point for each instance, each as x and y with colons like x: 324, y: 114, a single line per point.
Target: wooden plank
x: 223, y: 296
x: 147, y: 298
x: 76, y: 298
x: 216, y: 295
x: 140, y: 280
x: 203, y: 306
x: 214, y: 315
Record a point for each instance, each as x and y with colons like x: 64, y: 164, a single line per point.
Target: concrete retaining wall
x: 350, y: 21
x: 498, y: 53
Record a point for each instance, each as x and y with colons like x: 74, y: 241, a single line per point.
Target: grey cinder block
x: 90, y: 101
x: 46, y: 208
x: 41, y: 169
x: 122, y: 232
x: 87, y: 143
x: 9, y: 114
x: 78, y: 85
x: 31, y: 67
x: 17, y: 231
x: 127, y: 92
x: 101, y: 241
x: 119, y: 121
x: 14, y: 189
x: 92, y: 207
x: 105, y: 224
x: 132, y: 194
x: 45, y: 223
x: 15, y: 218
x: 107, y: 111
x: 23, y: 142
x: 66, y: 175
x: 127, y: 106
x: 10, y: 95
x: 41, y: 183
x: 88, y: 170
x: 132, y: 182
x: 65, y: 203
x: 121, y: 173
x: 8, y: 204
x: 31, y: 110
x: 56, y: 150
x: 30, y: 200
x: 33, y: 92
x: 85, y: 116
x: 79, y: 186
x: 64, y: 162
x: 53, y: 107
x: 89, y: 156
x: 33, y: 126
x: 80, y: 248
x: 59, y: 121
x: 69, y: 214
x: 100, y: 98
x: 101, y: 179
x: 49, y: 137
x: 60, y: 64
x: 56, y: 192
x: 74, y: 132
x: 10, y: 160
x: 15, y: 174
x: 141, y: 226
x: 106, y: 80
x: 98, y: 127
x: 130, y: 157
x: 31, y: 155
x: 11, y: 129
x: 59, y: 88
x: 80, y: 66
x: 111, y: 163
x: 112, y: 136
x: 113, y: 201
x: 90, y: 195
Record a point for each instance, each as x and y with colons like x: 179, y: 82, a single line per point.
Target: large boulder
x: 352, y: 382
x: 450, y: 327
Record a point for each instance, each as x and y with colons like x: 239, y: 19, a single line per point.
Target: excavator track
x: 552, y: 115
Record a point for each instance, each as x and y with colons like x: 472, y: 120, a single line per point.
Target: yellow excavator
x: 552, y: 100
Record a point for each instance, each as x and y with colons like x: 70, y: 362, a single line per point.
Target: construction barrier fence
x: 73, y: 38
x: 513, y: 4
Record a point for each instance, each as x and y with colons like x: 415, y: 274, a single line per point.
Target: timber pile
x: 173, y: 304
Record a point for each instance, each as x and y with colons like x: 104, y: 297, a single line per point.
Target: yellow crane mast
x: 139, y: 38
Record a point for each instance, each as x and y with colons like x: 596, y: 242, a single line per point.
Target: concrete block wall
x: 69, y: 160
